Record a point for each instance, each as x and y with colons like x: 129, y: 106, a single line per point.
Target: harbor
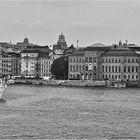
x: 40, y: 112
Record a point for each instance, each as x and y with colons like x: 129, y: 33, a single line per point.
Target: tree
x: 59, y: 68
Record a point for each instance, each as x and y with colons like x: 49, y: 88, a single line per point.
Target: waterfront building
x: 121, y: 63
x: 93, y: 61
x: 75, y: 65
x: 29, y: 61
x: 46, y: 63
x: 10, y: 64
x: 32, y: 60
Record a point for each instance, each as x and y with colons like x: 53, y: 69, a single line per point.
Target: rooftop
x: 77, y: 54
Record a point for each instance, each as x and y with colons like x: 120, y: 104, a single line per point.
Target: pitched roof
x: 120, y: 52
x: 77, y: 54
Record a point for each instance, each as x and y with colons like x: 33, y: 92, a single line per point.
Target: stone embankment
x: 78, y: 83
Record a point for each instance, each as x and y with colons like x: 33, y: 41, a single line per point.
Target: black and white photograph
x: 70, y: 69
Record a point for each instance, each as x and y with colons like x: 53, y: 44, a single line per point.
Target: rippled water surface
x: 69, y: 113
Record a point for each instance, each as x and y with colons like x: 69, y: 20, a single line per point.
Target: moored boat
x: 3, y: 86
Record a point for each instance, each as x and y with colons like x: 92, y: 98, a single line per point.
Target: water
x: 70, y: 113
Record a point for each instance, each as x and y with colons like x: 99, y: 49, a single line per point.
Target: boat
x: 3, y: 86
x: 120, y: 85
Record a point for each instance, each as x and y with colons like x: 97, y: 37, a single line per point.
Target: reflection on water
x: 70, y: 113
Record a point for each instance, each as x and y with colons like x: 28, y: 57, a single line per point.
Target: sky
x: 90, y: 22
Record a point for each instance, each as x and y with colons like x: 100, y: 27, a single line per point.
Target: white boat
x: 119, y: 85
x: 3, y: 86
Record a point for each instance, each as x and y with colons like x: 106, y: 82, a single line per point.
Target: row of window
x: 116, y: 60
x: 118, y: 77
x: 118, y: 69
x: 77, y: 68
x: 76, y: 59
x: 90, y: 59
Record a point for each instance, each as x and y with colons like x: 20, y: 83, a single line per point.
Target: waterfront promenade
x: 40, y: 112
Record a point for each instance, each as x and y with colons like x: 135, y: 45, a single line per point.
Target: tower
x: 26, y: 41
x: 61, y: 42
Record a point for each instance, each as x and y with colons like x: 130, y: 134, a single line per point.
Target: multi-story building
x: 34, y: 61
x: 29, y: 62
x: 120, y: 64
x: 10, y: 64
x: 76, y: 65
x: 106, y: 62
x: 46, y: 63
x: 93, y: 61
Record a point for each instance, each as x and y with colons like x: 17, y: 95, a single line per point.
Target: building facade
x: 99, y: 62
x: 76, y: 65
x: 10, y: 64
x: 46, y: 63
x: 120, y: 64
x: 29, y: 62
x: 35, y: 61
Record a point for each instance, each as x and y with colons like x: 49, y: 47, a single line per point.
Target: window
x: 74, y: 68
x: 132, y: 60
x: 86, y: 59
x: 136, y: 68
x: 132, y: 76
x: 119, y: 68
x: 80, y: 67
x: 103, y: 68
x: 109, y: 68
x: 124, y: 68
x: 112, y: 76
x: 124, y: 60
x: 70, y: 68
x: 128, y: 68
x: 116, y: 69
x: 112, y: 68
x: 106, y: 68
x: 128, y: 60
x: 90, y: 59
x: 94, y: 59
x: 86, y: 68
x: 95, y: 68
x: 132, y: 68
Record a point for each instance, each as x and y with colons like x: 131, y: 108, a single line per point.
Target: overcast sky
x: 89, y: 22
